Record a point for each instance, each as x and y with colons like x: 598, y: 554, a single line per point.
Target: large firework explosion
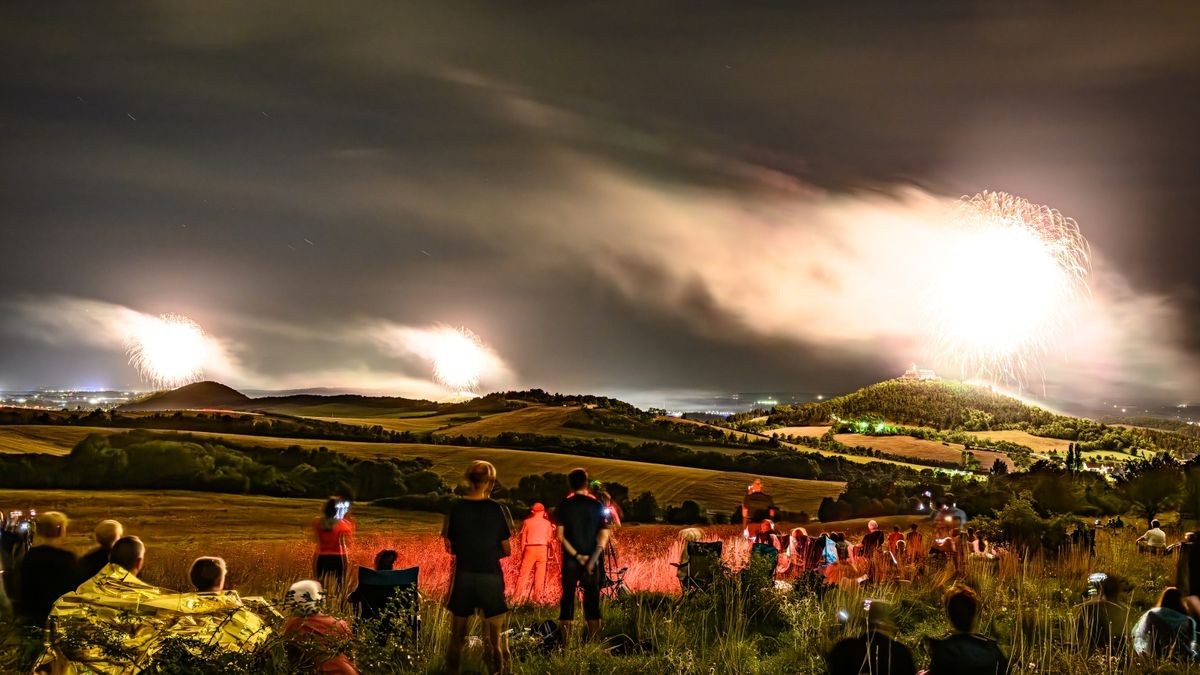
x: 459, y: 358
x: 1011, y: 275
x: 168, y: 351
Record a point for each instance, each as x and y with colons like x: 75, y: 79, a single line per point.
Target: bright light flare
x: 168, y: 351
x: 1010, y: 276
x: 459, y: 358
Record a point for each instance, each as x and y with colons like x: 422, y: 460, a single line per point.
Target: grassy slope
x: 549, y: 420
x: 413, y: 423
x: 715, y: 489
x: 49, y: 439
x: 908, y: 446
x: 1039, y: 444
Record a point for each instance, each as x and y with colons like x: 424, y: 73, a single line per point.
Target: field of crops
x: 49, y: 439
x: 1039, y: 444
x: 907, y: 446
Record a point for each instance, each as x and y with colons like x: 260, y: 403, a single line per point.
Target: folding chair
x: 385, y: 595
x: 703, y: 567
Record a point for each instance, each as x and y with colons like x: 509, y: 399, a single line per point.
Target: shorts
x: 471, y: 591
x: 330, y: 565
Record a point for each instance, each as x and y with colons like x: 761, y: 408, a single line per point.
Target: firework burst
x: 1010, y: 277
x: 459, y: 357
x: 168, y: 351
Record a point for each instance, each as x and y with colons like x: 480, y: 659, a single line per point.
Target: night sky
x: 616, y: 197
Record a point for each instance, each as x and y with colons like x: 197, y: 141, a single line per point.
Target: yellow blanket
x: 115, y: 623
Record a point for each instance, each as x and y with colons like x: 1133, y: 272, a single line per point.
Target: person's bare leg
x: 458, y: 635
x: 496, y: 643
x: 593, y: 630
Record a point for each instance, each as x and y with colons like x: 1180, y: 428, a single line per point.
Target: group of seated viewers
x: 52, y: 588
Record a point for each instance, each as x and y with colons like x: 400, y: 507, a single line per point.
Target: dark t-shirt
x: 475, y: 529
x: 872, y: 542
x: 966, y: 653
x: 873, y: 653
x: 91, y: 563
x: 758, y: 506
x: 45, y: 575
x: 581, y: 518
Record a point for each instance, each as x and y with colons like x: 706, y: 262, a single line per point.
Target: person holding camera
x: 876, y: 651
x: 583, y: 531
x: 1102, y: 621
x: 333, y: 533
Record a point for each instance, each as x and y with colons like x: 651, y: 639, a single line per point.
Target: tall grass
x: 740, y: 626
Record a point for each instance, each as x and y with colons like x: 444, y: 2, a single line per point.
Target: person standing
x: 583, y: 532
x: 757, y: 506
x: 477, y: 531
x: 107, y: 533
x: 537, y: 534
x: 46, y: 572
x: 333, y: 533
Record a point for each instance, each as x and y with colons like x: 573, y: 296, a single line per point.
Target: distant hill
x: 939, y: 404
x: 209, y: 395
x: 190, y: 397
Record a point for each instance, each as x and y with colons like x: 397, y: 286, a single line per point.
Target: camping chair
x: 384, y: 595
x: 703, y: 565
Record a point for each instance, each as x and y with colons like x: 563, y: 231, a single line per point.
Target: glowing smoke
x: 168, y: 351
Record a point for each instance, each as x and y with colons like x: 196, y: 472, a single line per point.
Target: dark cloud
x: 519, y: 168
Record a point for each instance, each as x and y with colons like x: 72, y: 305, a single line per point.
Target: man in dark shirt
x: 477, y: 531
x: 758, y: 505
x: 872, y: 543
x: 873, y: 652
x: 583, y: 530
x: 963, y: 650
x: 107, y: 533
x: 47, y: 572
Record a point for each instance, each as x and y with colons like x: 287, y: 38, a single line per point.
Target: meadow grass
x: 738, y: 627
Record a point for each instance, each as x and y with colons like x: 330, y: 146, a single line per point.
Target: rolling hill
x: 670, y: 484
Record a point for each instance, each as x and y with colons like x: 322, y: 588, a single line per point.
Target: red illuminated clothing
x: 316, y: 640
x: 892, y: 539
x: 333, y: 540
x: 537, y: 531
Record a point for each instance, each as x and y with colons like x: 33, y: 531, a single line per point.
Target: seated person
x: 1102, y: 621
x: 964, y: 650
x: 134, y: 619
x: 766, y: 535
x: 315, y: 640
x: 1154, y: 540
x: 208, y: 574
x: 1166, y: 631
x: 688, y: 534
x: 875, y: 651
x: 384, y: 560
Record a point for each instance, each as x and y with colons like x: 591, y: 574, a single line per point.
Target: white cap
x: 305, y: 596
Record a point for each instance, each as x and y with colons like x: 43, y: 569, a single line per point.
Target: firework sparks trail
x: 1012, y: 274
x: 168, y: 351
